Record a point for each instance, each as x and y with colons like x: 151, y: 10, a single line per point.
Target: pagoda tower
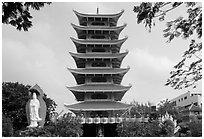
x: 98, y: 74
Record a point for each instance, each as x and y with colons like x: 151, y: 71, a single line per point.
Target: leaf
x: 167, y: 34
x: 177, y: 33
x: 161, y: 18
x: 175, y: 4
x: 171, y: 37
x: 167, y: 29
x: 12, y: 22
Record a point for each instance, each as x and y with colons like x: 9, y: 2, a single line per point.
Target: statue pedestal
x: 34, y: 123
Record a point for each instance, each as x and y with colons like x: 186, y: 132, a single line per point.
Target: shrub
x: 66, y: 126
x: 7, y: 127
x: 35, y: 132
x: 195, y: 128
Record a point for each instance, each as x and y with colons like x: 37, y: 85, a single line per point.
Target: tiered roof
x: 81, y: 44
x: 104, y: 17
x: 117, y: 15
x: 99, y: 105
x: 98, y: 42
x: 99, y: 70
x: 98, y: 55
x: 99, y: 88
x: 114, y: 31
x: 117, y: 90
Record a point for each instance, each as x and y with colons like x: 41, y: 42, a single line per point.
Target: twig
x: 197, y: 56
x: 167, y: 10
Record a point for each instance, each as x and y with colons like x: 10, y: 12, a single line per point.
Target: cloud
x: 148, y: 74
x: 41, y: 30
x: 144, y: 59
x: 33, y: 62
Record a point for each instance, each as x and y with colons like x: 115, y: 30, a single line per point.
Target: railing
x: 110, y: 120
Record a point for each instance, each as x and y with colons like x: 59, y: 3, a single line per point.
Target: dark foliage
x: 35, y: 132
x: 195, y: 128
x: 183, y: 131
x: 51, y: 106
x: 165, y: 106
x: 167, y: 128
x: 150, y: 129
x: 184, y: 74
x: 140, y: 109
x: 66, y: 126
x: 18, y: 15
x: 14, y: 99
x: 7, y: 127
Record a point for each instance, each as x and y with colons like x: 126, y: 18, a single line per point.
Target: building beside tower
x: 99, y: 73
x: 189, y: 105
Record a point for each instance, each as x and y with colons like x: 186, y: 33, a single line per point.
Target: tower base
x: 97, y: 130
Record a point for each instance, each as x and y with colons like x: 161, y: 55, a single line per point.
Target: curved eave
x: 98, y: 106
x: 99, y: 109
x: 97, y: 55
x: 99, y: 88
x: 96, y: 41
x: 118, y: 28
x: 99, y: 71
x: 99, y: 15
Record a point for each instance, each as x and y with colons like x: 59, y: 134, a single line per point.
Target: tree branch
x: 165, y: 4
x: 197, y: 56
x: 167, y: 11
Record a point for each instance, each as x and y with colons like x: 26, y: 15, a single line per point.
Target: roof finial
x: 97, y: 10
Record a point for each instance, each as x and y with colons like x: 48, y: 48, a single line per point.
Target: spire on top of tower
x: 97, y: 10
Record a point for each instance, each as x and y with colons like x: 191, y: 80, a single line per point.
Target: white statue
x: 34, y: 107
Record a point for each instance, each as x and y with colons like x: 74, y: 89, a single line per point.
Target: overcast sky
x: 41, y: 55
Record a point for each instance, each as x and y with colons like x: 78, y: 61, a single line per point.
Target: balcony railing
x: 110, y: 120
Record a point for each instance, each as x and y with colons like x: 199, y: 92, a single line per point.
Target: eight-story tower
x: 98, y: 74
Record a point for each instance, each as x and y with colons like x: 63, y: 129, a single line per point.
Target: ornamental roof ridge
x: 99, y: 70
x: 98, y: 105
x: 108, y: 87
x: 98, y: 55
x: 99, y: 41
x: 98, y: 15
x: 99, y: 27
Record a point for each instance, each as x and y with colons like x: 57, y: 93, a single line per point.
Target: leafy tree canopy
x: 18, y: 15
x: 166, y: 106
x: 188, y: 71
x: 150, y: 129
x: 140, y: 109
x: 7, y: 127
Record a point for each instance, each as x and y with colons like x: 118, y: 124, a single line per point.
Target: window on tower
x: 97, y: 19
x: 98, y: 32
x: 98, y: 64
x: 99, y: 96
x: 98, y: 23
x: 99, y: 79
x: 83, y: 24
x: 98, y: 35
x: 98, y: 50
